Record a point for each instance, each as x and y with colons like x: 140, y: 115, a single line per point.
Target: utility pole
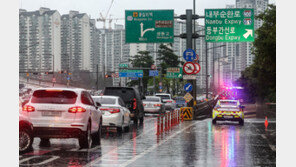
x: 189, y: 46
x: 207, y: 74
x: 97, y: 75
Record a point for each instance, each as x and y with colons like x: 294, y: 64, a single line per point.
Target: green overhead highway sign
x: 229, y: 25
x: 174, y: 72
x: 149, y: 26
x: 123, y: 65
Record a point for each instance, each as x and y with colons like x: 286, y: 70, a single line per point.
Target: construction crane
x: 102, y: 18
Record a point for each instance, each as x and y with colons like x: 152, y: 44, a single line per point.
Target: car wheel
x: 214, y: 121
x: 85, y: 140
x: 135, y: 120
x: 120, y: 128
x: 25, y: 140
x: 44, y: 142
x: 142, y: 120
x: 97, y: 136
x: 241, y: 122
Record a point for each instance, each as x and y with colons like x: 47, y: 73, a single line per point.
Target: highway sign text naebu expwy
x: 229, y: 25
x: 149, y: 26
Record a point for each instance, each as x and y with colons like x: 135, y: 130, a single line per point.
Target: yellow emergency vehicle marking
x: 187, y: 113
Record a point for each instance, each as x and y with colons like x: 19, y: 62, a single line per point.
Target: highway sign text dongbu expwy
x: 149, y: 26
x: 229, y: 25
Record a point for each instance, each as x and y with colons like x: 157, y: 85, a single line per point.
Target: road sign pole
x: 207, y: 77
x: 189, y: 46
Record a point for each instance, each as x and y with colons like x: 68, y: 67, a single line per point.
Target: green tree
x: 260, y: 77
x: 142, y: 60
x: 168, y: 58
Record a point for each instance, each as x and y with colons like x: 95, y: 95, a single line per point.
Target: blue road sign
x: 188, y: 87
x: 131, y: 73
x: 189, y: 55
x: 153, y: 73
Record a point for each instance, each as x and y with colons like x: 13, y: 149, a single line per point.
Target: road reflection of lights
x: 74, y: 163
x: 134, y: 142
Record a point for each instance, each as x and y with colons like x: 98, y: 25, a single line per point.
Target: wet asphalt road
x: 191, y: 143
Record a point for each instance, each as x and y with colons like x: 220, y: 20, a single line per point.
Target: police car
x: 230, y: 110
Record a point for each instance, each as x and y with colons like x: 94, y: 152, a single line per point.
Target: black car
x: 132, y: 99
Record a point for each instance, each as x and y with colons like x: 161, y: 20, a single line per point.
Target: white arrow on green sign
x: 149, y: 26
x: 229, y: 25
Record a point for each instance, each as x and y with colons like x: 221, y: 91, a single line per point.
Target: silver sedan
x: 153, y: 104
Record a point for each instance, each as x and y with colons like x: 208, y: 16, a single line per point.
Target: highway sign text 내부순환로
x: 229, y: 25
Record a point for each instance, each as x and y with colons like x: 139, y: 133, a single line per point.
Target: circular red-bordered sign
x: 153, y: 67
x: 197, y: 68
x: 189, y: 68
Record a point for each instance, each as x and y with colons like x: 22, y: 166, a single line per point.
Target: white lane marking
x: 27, y: 159
x: 258, y: 121
x: 93, y: 149
x: 263, y: 136
x: 156, y: 145
x: 272, y: 147
x: 115, y: 149
x: 40, y: 163
x: 89, y: 150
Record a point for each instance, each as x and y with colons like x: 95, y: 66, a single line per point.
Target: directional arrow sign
x: 149, y: 26
x: 188, y: 87
x: 229, y: 25
x: 248, y: 33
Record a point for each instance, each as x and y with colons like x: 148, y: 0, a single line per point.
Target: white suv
x: 64, y: 113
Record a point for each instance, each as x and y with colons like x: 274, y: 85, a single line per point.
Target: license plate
x: 228, y: 116
x: 51, y: 113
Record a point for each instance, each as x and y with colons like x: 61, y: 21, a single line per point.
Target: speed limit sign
x: 189, y: 68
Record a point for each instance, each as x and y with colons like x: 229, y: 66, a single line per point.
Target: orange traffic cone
x: 266, y: 122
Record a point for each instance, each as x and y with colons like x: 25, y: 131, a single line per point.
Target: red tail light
x: 111, y: 110
x: 76, y: 109
x: 169, y: 101
x: 28, y: 108
x: 157, y: 105
x: 144, y: 104
x: 134, y: 103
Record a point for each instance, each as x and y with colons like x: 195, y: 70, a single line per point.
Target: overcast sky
x: 94, y: 7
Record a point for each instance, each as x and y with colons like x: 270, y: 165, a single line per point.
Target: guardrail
x: 203, y: 110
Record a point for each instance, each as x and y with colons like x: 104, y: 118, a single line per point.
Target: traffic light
x: 107, y: 76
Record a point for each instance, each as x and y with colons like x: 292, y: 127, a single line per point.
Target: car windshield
x: 54, y: 97
x: 126, y: 94
x: 151, y: 99
x: 105, y: 100
x: 164, y: 96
